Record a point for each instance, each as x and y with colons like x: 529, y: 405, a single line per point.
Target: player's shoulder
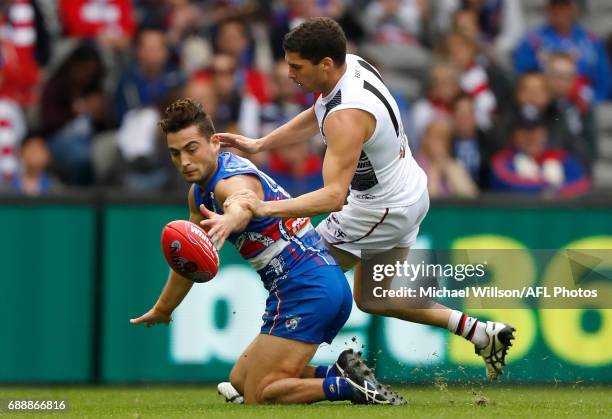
x: 362, y: 69
x: 350, y: 89
x: 230, y: 162
x: 233, y: 168
x: 361, y: 75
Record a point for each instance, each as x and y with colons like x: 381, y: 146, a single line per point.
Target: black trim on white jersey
x: 365, y: 176
x: 381, y: 97
x: 336, y: 100
x: 371, y: 69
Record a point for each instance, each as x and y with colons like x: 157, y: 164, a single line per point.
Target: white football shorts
x: 357, y: 228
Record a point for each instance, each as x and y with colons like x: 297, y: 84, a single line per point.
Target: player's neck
x: 333, y: 80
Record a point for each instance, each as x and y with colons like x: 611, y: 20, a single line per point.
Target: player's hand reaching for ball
x: 248, y: 199
x: 218, y: 227
x: 152, y: 317
x: 242, y: 143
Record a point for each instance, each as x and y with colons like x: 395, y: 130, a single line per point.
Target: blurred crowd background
x: 496, y: 95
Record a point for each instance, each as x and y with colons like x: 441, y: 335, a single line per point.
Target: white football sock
x: 469, y: 327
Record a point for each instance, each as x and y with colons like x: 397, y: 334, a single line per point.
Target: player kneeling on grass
x: 309, y: 298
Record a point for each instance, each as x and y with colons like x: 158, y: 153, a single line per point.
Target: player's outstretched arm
x: 174, y: 292
x: 176, y: 287
x: 345, y: 130
x: 297, y: 130
x: 236, y: 215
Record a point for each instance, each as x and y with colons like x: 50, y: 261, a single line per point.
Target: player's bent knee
x: 261, y: 394
x: 270, y: 389
x: 269, y: 394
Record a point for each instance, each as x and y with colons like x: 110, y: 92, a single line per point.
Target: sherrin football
x: 189, y: 251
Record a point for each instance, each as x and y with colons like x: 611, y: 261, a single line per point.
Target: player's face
x: 303, y: 72
x: 193, y: 155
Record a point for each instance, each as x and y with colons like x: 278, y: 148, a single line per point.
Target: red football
x: 189, y: 251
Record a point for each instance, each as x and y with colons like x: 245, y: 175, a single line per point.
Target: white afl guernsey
x: 387, y: 175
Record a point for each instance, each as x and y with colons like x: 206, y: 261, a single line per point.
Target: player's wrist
x: 259, y: 144
x: 162, y: 308
x: 264, y: 209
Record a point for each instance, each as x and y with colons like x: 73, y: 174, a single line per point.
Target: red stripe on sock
x: 472, y: 330
x: 461, y: 325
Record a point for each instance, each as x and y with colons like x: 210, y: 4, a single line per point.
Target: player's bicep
x: 227, y: 187
x: 346, y: 132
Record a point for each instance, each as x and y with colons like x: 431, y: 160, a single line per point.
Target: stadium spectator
x: 201, y: 88
x: 442, y: 90
x: 397, y: 35
x: 186, y: 24
x: 223, y: 70
x: 470, y: 146
x: 545, y: 94
x: 395, y: 21
x: 465, y: 22
x: 151, y: 78
x: 497, y: 25
x: 233, y: 38
x: 532, y: 91
x: 296, y: 168
x: 142, y: 166
x: 73, y: 110
x: 183, y: 18
x: 474, y: 80
x: 529, y: 166
x: 572, y: 120
x: 32, y: 178
x: 286, y: 101
x: 562, y: 33
x: 12, y: 129
x: 25, y: 45
x: 286, y: 15
x: 110, y: 22
x: 446, y: 177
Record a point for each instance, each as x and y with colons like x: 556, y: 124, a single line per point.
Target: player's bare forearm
x: 346, y: 131
x: 236, y: 214
x: 239, y: 216
x: 322, y: 201
x: 174, y: 292
x: 297, y: 130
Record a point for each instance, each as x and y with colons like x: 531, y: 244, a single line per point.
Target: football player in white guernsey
x: 367, y: 154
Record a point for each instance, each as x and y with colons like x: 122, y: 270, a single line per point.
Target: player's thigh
x: 386, y: 257
x: 346, y: 260
x: 272, y: 358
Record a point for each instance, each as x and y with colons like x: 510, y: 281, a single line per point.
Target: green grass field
x: 425, y: 402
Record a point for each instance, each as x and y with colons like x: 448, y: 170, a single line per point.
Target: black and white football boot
x: 494, y: 353
x: 366, y: 388
x: 230, y: 394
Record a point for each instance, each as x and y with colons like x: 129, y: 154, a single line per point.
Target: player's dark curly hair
x: 185, y: 113
x: 317, y: 38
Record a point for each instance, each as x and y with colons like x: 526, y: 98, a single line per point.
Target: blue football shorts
x: 310, y: 306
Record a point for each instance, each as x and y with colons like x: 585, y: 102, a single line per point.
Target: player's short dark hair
x: 185, y: 113
x: 317, y: 38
